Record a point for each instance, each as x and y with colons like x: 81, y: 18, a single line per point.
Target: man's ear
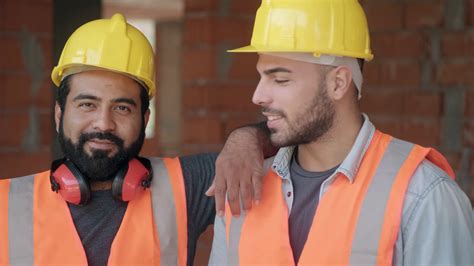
x: 147, y: 117
x: 342, y: 78
x: 57, y: 115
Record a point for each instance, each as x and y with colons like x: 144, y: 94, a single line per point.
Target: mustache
x: 84, y: 137
x: 273, y: 111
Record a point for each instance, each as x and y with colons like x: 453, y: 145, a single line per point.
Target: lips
x: 272, y: 119
x: 101, y: 144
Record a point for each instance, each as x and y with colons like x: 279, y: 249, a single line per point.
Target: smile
x: 272, y: 117
x: 100, y: 144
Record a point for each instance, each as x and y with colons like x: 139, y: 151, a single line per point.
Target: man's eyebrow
x: 275, y: 70
x: 125, y: 100
x: 86, y: 97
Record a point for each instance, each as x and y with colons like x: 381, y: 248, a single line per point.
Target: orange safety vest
x: 355, y: 223
x: 36, y: 227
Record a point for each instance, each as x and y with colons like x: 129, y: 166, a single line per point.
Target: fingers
x: 233, y: 196
x: 246, y: 194
x: 220, y: 187
x: 257, y: 180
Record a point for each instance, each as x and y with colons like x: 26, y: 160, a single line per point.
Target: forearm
x: 259, y: 133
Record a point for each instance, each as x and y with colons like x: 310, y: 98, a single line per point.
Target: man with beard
x: 338, y: 191
x: 102, y: 203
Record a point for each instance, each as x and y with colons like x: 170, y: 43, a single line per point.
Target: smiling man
x: 339, y: 191
x: 103, y: 203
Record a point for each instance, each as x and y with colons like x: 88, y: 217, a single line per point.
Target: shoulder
x: 427, y: 176
x: 432, y: 193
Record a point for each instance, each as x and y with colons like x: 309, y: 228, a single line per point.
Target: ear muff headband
x: 129, y: 181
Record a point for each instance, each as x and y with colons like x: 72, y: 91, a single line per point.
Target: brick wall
x: 26, y: 28
x: 217, y: 86
x: 419, y: 87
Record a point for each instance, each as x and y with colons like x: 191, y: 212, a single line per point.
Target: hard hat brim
x: 256, y: 49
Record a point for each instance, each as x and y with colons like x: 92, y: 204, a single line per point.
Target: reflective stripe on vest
x: 41, y: 231
x: 20, y: 197
x: 355, y: 223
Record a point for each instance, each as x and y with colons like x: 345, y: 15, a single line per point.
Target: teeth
x: 272, y: 117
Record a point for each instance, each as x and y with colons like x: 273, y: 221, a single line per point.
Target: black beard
x: 99, y: 166
x: 312, y: 125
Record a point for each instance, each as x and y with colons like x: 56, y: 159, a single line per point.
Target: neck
x: 101, y: 185
x: 332, y: 148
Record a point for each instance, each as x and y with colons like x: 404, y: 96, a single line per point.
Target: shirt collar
x: 349, y: 166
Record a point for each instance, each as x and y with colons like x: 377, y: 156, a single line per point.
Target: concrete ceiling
x: 159, y: 10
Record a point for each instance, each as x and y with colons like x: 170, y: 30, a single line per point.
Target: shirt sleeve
x: 219, y: 243
x: 198, y: 173
x: 437, y: 222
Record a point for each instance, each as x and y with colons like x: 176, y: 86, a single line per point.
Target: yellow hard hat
x: 110, y: 44
x: 332, y: 27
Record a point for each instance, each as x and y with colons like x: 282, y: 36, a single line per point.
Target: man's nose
x: 261, y: 96
x: 104, y: 121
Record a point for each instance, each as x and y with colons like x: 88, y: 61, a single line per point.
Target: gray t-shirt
x: 98, y: 222
x: 306, y: 187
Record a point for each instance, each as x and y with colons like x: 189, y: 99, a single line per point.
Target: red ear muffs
x: 68, y: 181
x: 128, y: 183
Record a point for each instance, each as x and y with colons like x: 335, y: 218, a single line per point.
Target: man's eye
x: 86, y: 105
x: 122, y: 108
x: 281, y: 81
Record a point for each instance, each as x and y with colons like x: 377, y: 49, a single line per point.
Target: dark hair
x: 361, y: 64
x: 64, y: 89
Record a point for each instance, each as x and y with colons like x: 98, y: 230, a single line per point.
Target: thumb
x: 211, y: 190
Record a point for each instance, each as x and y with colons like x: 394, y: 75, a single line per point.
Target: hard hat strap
x: 328, y: 60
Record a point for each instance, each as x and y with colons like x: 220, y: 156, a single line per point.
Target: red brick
x: 458, y: 44
x: 16, y: 125
x: 382, y: 102
x: 11, y: 54
x: 246, y: 7
x: 17, y: 91
x: 424, y: 14
x: 391, y: 73
x: 202, y: 130
x: 47, y: 48
x: 400, y: 74
x: 244, y: 66
x: 456, y: 73
x: 387, y: 124
x: 425, y: 132
x: 2, y: 91
x: 200, y: 5
x: 47, y: 129
x: 21, y: 164
x: 382, y: 16
x: 469, y: 104
x: 30, y: 15
x: 198, y: 64
x: 398, y: 45
x: 232, y: 30
x: 423, y: 103
x: 3, y: 12
x: 45, y: 96
x: 220, y: 97
x: 471, y: 173
x: 371, y: 74
x: 454, y: 159
x: 197, y: 30
x: 468, y: 133
x: 470, y: 16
